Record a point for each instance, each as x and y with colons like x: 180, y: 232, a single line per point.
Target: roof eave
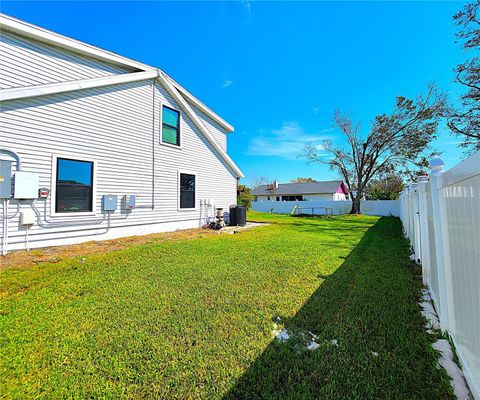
x: 25, y: 29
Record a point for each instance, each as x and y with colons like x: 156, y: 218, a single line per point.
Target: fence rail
x: 369, y: 207
x: 441, y: 217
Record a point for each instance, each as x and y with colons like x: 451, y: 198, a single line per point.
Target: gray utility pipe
x: 17, y: 158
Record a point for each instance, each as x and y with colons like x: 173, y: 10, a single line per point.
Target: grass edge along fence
x: 441, y: 217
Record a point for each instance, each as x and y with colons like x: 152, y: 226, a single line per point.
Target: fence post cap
x: 422, y: 178
x: 436, y: 164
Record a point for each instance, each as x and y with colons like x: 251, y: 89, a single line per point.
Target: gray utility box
x: 109, y: 202
x: 129, y: 201
x: 25, y: 185
x: 5, y: 179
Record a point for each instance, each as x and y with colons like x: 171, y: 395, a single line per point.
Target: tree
x: 303, y: 180
x: 244, y: 196
x: 257, y: 181
x: 464, y: 117
x: 394, y: 142
x: 387, y: 187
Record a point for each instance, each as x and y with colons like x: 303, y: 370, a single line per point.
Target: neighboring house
x: 117, y: 147
x: 324, y: 190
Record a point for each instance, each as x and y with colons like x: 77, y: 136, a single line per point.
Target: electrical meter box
x: 129, y: 201
x: 5, y: 179
x: 109, y: 202
x: 25, y: 185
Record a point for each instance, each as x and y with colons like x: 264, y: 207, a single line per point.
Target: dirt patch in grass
x: 25, y: 259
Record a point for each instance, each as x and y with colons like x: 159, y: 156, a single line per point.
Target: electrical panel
x: 109, y: 202
x: 129, y: 201
x: 5, y: 179
x: 25, y: 185
x: 27, y: 217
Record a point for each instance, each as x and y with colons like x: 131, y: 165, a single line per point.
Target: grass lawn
x: 193, y: 318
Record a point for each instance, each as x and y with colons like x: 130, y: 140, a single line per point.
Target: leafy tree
x: 244, y: 196
x: 303, y: 180
x: 464, y: 117
x: 395, y: 141
x: 387, y: 187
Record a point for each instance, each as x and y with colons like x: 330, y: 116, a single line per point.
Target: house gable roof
x: 321, y: 187
x: 25, y: 29
x: 139, y: 71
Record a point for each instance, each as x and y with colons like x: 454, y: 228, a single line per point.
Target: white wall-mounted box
x: 25, y: 185
x: 27, y: 217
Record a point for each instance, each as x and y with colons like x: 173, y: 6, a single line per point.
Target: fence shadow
x: 370, y: 333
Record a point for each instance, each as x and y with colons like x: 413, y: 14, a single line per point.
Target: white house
x: 94, y: 145
x: 321, y: 190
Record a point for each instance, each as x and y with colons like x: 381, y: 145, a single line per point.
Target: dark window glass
x: 292, y: 198
x: 187, y: 191
x: 170, y: 126
x: 74, y: 186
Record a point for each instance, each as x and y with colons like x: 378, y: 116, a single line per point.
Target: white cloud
x: 287, y: 142
x: 226, y: 83
x: 316, y: 110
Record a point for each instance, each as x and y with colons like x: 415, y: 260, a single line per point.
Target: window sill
x: 74, y: 214
x: 172, y: 146
x: 187, y: 209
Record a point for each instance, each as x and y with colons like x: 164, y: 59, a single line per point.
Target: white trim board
x: 43, y: 35
x: 172, y: 91
x: 63, y: 87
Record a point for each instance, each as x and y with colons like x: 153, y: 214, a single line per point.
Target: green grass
x: 193, y: 318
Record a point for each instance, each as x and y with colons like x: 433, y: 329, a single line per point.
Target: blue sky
x: 277, y: 71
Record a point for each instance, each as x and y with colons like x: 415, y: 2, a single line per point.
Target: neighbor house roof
x: 139, y: 71
x: 299, y: 188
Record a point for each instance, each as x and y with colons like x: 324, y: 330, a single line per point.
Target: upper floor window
x: 74, y: 186
x: 170, y: 126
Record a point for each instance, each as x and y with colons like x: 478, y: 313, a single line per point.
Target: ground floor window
x: 187, y: 190
x: 292, y: 198
x: 74, y: 186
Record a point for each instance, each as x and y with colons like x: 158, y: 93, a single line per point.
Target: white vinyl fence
x: 370, y: 207
x: 441, y: 217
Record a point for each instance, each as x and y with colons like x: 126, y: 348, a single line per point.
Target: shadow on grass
x: 370, y: 332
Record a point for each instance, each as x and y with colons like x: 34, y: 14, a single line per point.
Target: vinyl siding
x: 119, y: 128
x: 25, y: 62
x: 219, y: 134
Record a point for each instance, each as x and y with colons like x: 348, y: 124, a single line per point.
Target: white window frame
x: 53, y: 186
x: 180, y: 120
x: 179, y: 172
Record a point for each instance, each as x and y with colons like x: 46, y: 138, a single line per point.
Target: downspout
x: 153, y: 144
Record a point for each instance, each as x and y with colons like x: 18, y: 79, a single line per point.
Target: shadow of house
x: 371, y: 335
